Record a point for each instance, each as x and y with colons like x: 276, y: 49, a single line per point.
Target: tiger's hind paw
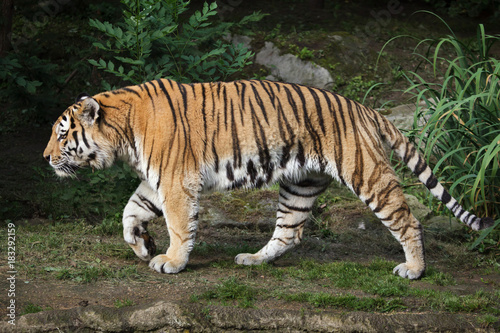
x: 248, y: 259
x: 163, y: 264
x: 407, y: 273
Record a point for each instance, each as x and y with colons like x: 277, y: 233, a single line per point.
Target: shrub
x: 153, y: 42
x: 26, y: 88
x: 461, y: 136
x: 471, y: 8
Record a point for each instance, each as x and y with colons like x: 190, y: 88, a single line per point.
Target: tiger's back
x: 185, y: 138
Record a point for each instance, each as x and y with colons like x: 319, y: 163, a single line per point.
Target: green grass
x: 31, y: 308
x: 120, y: 303
x: 351, y: 302
x: 76, y: 251
x: 233, y: 290
x: 363, y: 287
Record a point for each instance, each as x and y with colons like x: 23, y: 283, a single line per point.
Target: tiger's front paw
x: 406, y: 272
x: 163, y: 264
x: 248, y: 259
x: 141, y: 242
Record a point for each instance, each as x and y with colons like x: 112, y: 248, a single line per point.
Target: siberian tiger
x: 183, y: 139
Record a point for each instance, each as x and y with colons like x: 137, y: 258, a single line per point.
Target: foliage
x: 99, y: 193
x: 354, y: 88
x: 154, y: 42
x: 471, y: 8
x: 461, y: 136
x: 26, y: 84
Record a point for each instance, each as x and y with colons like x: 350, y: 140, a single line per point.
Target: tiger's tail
x: 409, y: 154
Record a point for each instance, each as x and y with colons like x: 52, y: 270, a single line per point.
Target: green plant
x: 232, y: 290
x: 111, y: 225
x: 461, y: 135
x: 487, y: 320
x: 354, y: 88
x: 346, y: 301
x: 304, y: 53
x: 99, y: 193
x: 120, y: 303
x: 155, y: 41
x: 31, y: 308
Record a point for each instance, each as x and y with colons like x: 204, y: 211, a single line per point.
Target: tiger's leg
x: 142, y: 207
x: 388, y: 203
x: 295, y: 202
x: 181, y: 215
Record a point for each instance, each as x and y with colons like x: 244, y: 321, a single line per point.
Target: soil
x: 230, y: 221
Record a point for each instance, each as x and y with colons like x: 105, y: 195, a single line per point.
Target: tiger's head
x: 76, y: 139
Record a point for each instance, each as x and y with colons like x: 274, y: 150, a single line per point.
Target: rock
x: 402, y: 116
x: 444, y: 227
x: 291, y: 69
x: 239, y: 39
x: 418, y: 209
x: 173, y: 317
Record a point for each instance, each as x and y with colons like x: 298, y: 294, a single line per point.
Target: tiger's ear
x: 89, y: 110
x: 81, y: 97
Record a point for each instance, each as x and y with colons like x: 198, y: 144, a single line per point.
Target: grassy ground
x: 340, y: 265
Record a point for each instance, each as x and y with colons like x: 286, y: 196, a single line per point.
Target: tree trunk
x: 6, y: 26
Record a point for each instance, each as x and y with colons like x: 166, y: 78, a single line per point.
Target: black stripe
x: 242, y: 95
x: 304, y: 195
x: 307, y: 121
x: 283, y: 211
x: 420, y: 167
x: 446, y: 197
x: 225, y: 103
x: 216, y: 157
x: 300, y: 155
x: 164, y: 89
x: 229, y: 172
x: 260, y: 103
x: 149, y: 94
x: 431, y: 182
x: 84, y: 137
x: 204, y: 117
x: 251, y: 171
x: 151, y: 206
x: 281, y: 194
x: 292, y: 226
x: 149, y: 158
x: 132, y: 91
x: 154, y: 87
x: 297, y: 209
x: 236, y: 143
x: 160, y: 172
x: 292, y: 103
x: 75, y: 137
x: 318, y: 108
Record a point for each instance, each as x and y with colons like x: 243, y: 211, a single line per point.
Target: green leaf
x: 21, y: 81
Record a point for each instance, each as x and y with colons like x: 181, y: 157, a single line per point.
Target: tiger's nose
x: 47, y: 157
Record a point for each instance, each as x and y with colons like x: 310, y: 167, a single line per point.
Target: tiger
x: 187, y: 139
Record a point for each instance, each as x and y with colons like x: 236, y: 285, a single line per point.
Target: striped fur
x: 183, y: 139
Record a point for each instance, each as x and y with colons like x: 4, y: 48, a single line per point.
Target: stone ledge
x: 172, y: 317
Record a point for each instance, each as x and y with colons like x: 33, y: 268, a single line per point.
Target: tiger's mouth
x: 66, y: 169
